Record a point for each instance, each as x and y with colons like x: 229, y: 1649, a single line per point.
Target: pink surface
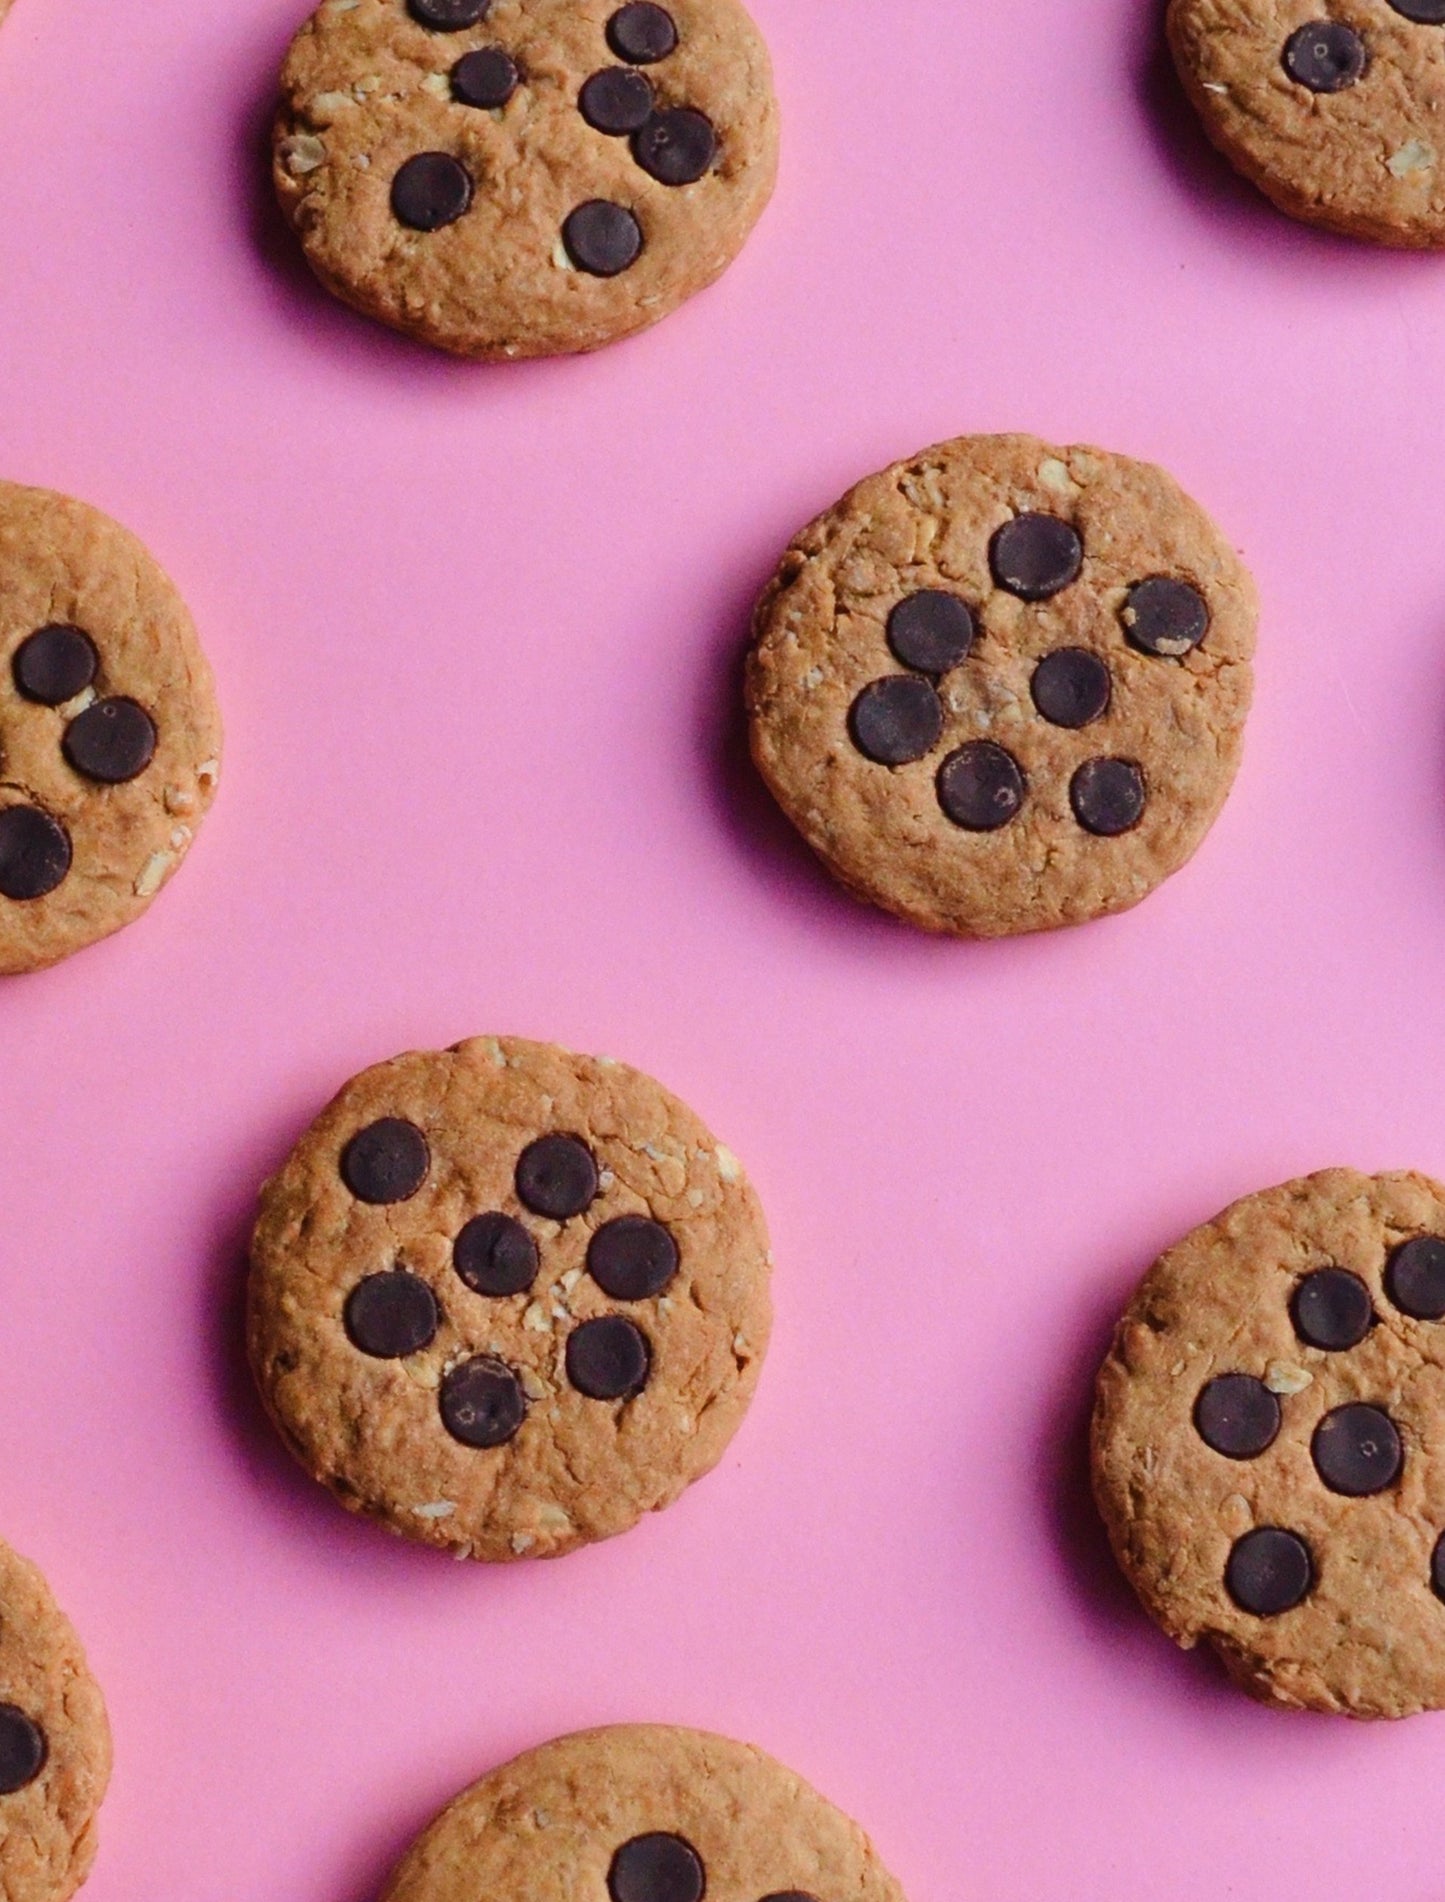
x: 476, y: 635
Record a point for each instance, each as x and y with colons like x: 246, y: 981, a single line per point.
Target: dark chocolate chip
x: 641, y: 33
x: 980, y: 786
x: 556, y: 1176
x: 632, y: 1258
x: 1326, y: 55
x: 931, y: 630
x: 1034, y: 556
x: 23, y: 1749
x: 1237, y: 1415
x: 602, y: 238
x: 1107, y: 796
x: 656, y: 1868
x: 1422, y: 12
x: 608, y: 1359
x: 112, y: 741
x: 1331, y: 1309
x: 486, y: 79
x: 386, y: 1162
x: 1165, y: 617
x: 676, y: 146
x: 1415, y: 1278
x: 391, y: 1315
x: 1357, y: 1450
x: 1269, y: 1571
x: 495, y: 1255
x: 616, y: 100
x: 896, y: 719
x: 34, y: 852
x: 54, y: 664
x: 482, y: 1403
x: 431, y: 190
x: 449, y: 16
x: 1437, y: 1567
x: 1071, y: 687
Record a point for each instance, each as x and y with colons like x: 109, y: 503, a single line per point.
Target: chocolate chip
x: 1164, y: 617
x: 1437, y: 1567
x: 676, y: 147
x: 616, y: 100
x: 34, y: 852
x: 112, y: 741
x: 495, y: 1255
x: 1034, y: 556
x: 642, y: 33
x: 1357, y: 1450
x: 431, y: 190
x: 482, y: 1403
x: 386, y: 1162
x: 1422, y: 12
x: 1331, y: 1309
x: 1107, y: 796
x: 1237, y: 1415
x: 391, y: 1314
x: 449, y: 16
x: 1326, y: 55
x: 896, y: 719
x: 1071, y: 687
x: 931, y: 630
x: 608, y: 1359
x: 54, y: 664
x: 485, y: 79
x: 980, y: 786
x: 656, y: 1868
x: 1269, y: 1571
x: 602, y: 238
x: 1415, y: 1278
x: 556, y: 1176
x: 23, y: 1749
x: 632, y: 1258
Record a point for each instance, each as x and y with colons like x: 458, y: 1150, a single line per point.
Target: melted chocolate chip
x: 54, y: 664
x: 1269, y: 1571
x: 1357, y: 1450
x: 1331, y: 1309
x: 931, y: 630
x: 1107, y: 796
x: 1422, y: 12
x: 632, y: 1258
x: 1325, y: 56
x: 641, y: 33
x: 481, y: 1402
x: 1237, y: 1415
x: 556, y: 1176
x: 34, y: 852
x: 23, y: 1749
x: 1071, y: 687
x: 112, y: 741
x: 602, y: 238
x: 1165, y: 617
x: 608, y: 1359
x: 980, y: 786
x: 1437, y: 1567
x: 616, y: 101
x: 449, y: 16
x: 1034, y: 556
x: 495, y: 1255
x: 431, y: 190
x: 896, y: 719
x: 391, y: 1315
x: 656, y: 1868
x: 1415, y: 1278
x: 386, y: 1162
x: 486, y: 79
x: 676, y: 146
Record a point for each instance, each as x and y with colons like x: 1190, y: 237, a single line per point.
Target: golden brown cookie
x: 507, y: 1299
x: 1002, y: 686
x: 642, y: 1813
x: 110, y: 738
x: 1269, y: 1442
x: 1332, y: 107
x: 523, y: 178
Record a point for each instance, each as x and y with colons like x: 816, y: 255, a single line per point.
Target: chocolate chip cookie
x: 1002, y: 686
x: 1269, y: 1442
x: 1332, y: 107
x: 110, y: 740
x: 643, y: 1813
x: 522, y: 178
x: 507, y: 1299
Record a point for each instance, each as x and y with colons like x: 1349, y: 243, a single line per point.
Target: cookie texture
x: 1269, y: 1442
x: 527, y: 177
x: 1002, y: 686
x: 54, y: 1743
x: 643, y: 1813
x: 110, y: 739
x: 506, y: 1299
x: 1336, y: 112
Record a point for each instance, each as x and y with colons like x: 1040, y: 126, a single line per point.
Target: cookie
x: 54, y: 1743
x: 642, y: 1813
x: 1269, y: 1442
x: 524, y: 178
x: 507, y: 1299
x: 110, y: 738
x: 1002, y: 686
x: 1332, y: 110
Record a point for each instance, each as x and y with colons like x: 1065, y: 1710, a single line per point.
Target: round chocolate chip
x: 931, y: 630
x: 485, y: 79
x: 556, y: 1176
x: 1034, y: 556
x: 1357, y: 1450
x: 632, y: 1258
x: 1164, y: 617
x: 34, y: 852
x: 896, y: 719
x: 1437, y: 1567
x: 1107, y: 796
x: 656, y: 1868
x: 54, y: 664
x: 391, y: 1314
x: 602, y: 238
x: 1422, y: 12
x: 616, y: 100
x: 482, y: 1403
x: 676, y: 147
x: 1331, y: 1309
x: 23, y: 1749
x: 112, y: 741
x: 642, y: 33
x: 1071, y: 687
x: 1269, y: 1571
x: 1237, y: 1415
x: 980, y: 786
x: 1415, y: 1278
x: 386, y: 1162
x: 1326, y: 55
x: 449, y: 16
x: 495, y: 1255
x: 431, y: 190
x: 608, y: 1359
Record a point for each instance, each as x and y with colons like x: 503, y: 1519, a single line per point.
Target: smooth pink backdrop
x: 477, y: 635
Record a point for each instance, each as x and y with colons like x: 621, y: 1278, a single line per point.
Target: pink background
x: 477, y: 636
